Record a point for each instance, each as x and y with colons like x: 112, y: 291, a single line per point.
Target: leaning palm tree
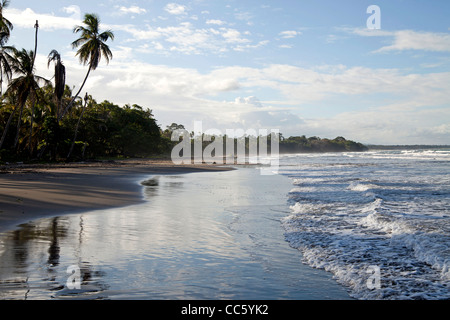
x: 5, y: 32
x: 60, y: 78
x: 5, y: 65
x: 86, y: 99
x: 25, y: 87
x: 92, y: 48
x: 5, y: 25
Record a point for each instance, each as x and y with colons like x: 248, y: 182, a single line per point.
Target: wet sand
x: 197, y: 236
x: 29, y: 192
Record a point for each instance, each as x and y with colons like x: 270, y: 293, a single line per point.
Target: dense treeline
x: 315, y: 144
x: 89, y: 130
x: 251, y: 144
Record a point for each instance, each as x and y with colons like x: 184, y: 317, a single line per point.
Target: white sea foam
x: 393, y: 215
x: 2, y: 248
x: 303, y: 189
x: 356, y: 186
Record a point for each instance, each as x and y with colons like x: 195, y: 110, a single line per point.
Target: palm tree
x: 92, y: 48
x: 5, y: 25
x: 24, y: 87
x: 36, y: 26
x: 86, y: 99
x: 5, y: 32
x: 60, y: 78
x: 5, y: 67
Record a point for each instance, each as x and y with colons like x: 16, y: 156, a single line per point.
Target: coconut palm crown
x: 92, y: 47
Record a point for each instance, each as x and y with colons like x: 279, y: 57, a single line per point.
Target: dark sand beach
x: 29, y: 192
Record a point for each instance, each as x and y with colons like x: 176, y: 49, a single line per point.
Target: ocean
x: 378, y: 221
x: 338, y: 226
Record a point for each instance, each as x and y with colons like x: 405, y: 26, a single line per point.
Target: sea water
x: 212, y: 235
x: 378, y: 213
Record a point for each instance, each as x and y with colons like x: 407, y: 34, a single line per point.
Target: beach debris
x: 153, y: 182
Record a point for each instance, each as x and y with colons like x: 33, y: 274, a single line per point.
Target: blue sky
x: 304, y: 67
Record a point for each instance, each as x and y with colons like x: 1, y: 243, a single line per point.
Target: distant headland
x: 318, y: 145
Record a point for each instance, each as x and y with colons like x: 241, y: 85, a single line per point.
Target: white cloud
x: 233, y: 36
x: 215, y: 22
x: 409, y: 40
x: 184, y: 37
x: 412, y: 40
x: 441, y: 129
x: 26, y: 18
x: 338, y: 87
x: 139, y: 34
x: 385, y: 126
x: 246, y: 47
x: 252, y: 100
x: 74, y: 10
x: 176, y: 9
x: 164, y: 80
x: 288, y: 34
x: 365, y: 32
x: 132, y: 9
x: 189, y: 39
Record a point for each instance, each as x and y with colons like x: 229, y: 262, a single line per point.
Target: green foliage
x: 105, y: 130
x: 112, y: 131
x: 316, y: 144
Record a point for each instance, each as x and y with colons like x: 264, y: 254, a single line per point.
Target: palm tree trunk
x: 5, y: 131
x: 18, y: 126
x: 35, y: 42
x: 34, y: 102
x: 78, y: 93
x: 58, y: 108
x: 31, y: 128
x: 76, y: 130
x: 1, y: 80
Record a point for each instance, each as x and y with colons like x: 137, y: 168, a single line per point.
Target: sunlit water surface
x: 214, y: 235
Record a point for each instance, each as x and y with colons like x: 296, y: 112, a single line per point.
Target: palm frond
x: 105, y: 36
x: 91, y: 43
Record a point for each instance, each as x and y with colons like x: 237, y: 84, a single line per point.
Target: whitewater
x: 351, y: 213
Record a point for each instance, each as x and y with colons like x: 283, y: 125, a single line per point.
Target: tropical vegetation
x: 41, y: 119
x: 315, y: 144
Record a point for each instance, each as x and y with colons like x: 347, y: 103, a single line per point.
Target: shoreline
x: 30, y: 192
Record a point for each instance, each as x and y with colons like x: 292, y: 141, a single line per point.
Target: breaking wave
x: 391, y: 214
